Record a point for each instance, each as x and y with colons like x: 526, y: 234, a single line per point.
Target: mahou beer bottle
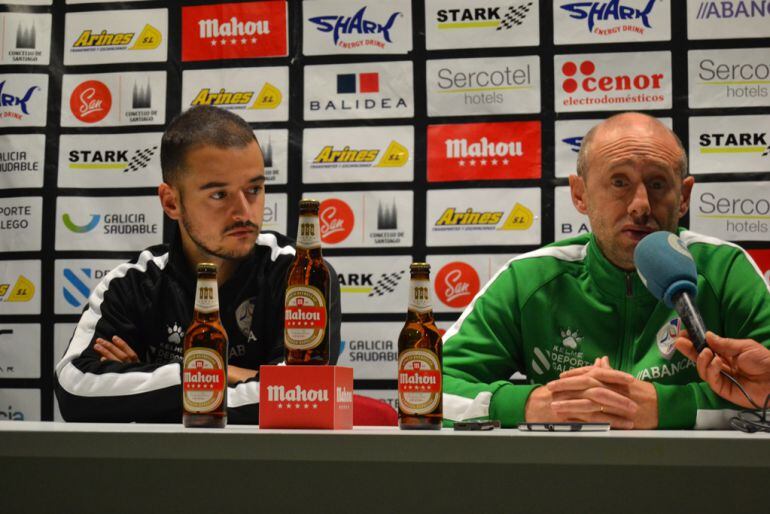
x: 204, y: 367
x: 306, y: 329
x: 419, y: 358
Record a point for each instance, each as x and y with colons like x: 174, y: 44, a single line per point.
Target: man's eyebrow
x: 258, y: 179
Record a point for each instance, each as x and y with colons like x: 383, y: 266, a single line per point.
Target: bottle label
x: 203, y: 380
x: 419, y: 296
x: 308, y: 233
x: 207, y: 295
x: 304, y: 317
x: 419, y: 381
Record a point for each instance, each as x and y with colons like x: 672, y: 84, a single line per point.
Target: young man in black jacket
x: 123, y: 362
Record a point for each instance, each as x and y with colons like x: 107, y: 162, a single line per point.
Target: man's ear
x: 684, y: 205
x: 170, y: 201
x: 577, y: 188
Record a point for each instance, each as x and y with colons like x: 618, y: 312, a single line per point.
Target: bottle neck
x: 420, y: 302
x: 207, y: 297
x: 309, y: 233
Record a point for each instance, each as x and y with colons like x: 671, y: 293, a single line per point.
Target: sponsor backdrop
x: 438, y: 130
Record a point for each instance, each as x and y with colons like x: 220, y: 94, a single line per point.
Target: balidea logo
x: 618, y: 14
x: 358, y: 83
x: 356, y: 31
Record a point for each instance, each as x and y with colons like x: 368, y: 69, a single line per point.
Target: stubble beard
x: 221, y: 253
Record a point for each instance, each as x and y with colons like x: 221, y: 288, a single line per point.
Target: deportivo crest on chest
x: 666, y: 337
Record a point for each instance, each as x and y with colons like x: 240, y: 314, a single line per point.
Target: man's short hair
x: 583, y: 154
x: 198, y: 126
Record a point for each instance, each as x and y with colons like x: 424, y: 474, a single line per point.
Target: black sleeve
x: 335, y: 315
x: 91, y: 390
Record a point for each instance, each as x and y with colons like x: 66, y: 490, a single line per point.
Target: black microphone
x: 668, y: 271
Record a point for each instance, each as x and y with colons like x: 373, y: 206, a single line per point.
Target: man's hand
x: 595, y: 394
x: 642, y: 394
x: 116, y: 350
x: 745, y: 359
x: 236, y: 374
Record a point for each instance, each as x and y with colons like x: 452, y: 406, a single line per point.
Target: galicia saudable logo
x: 81, y: 229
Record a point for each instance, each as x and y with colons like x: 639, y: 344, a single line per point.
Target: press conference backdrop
x: 442, y: 130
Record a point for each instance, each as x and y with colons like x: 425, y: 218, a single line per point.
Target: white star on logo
x: 280, y: 406
x: 224, y: 41
x: 307, y: 406
x: 233, y: 41
x: 505, y: 161
x: 213, y: 42
x: 315, y: 406
x: 461, y: 163
x: 494, y: 162
x: 483, y: 162
x: 254, y: 40
x: 473, y: 162
x: 288, y: 406
x: 243, y: 41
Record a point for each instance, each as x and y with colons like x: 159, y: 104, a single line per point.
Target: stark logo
x: 337, y: 220
x: 456, y: 284
x: 91, y: 101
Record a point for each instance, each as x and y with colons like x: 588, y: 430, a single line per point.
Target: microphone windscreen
x: 665, y: 266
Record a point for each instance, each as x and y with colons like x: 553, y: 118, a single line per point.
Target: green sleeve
x: 481, y: 352
x: 744, y: 306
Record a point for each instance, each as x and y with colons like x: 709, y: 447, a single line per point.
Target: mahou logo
x: 336, y: 219
x: 456, y: 284
x: 484, y: 151
x: 234, y: 31
x: 91, y: 101
x: 613, y: 81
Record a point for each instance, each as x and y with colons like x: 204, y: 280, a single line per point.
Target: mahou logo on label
x: 337, y: 220
x: 234, y: 31
x: 484, y: 151
x: 91, y: 101
x: 203, y: 380
x: 456, y: 284
x: 304, y: 317
x: 612, y: 82
x: 419, y: 381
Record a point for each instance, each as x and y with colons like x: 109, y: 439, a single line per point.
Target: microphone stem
x: 692, y: 320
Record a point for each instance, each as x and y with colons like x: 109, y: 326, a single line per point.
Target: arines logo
x: 611, y: 17
x: 14, y: 106
x: 23, y: 290
x: 88, y: 40
x: 395, y: 156
x: 336, y: 220
x: 498, y: 18
x: 519, y: 218
x: 734, y: 143
x: 357, y: 31
x: 269, y: 97
x: 456, y: 284
x: 91, y: 101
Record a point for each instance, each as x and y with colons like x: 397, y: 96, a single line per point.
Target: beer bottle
x: 419, y: 358
x: 306, y: 323
x: 204, y: 368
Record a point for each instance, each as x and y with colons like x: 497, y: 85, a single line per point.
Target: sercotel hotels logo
x: 739, y: 80
x: 356, y: 30
x: 611, y: 17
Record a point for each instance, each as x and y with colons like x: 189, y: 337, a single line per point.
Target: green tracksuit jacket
x: 564, y: 305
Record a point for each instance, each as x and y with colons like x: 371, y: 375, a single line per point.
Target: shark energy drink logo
x: 116, y: 36
x: 23, y: 99
x: 337, y: 27
x: 611, y: 21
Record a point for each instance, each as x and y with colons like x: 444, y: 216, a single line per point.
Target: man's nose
x: 240, y: 206
x: 640, y: 203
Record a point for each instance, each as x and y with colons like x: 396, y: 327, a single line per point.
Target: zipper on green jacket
x: 628, y: 305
